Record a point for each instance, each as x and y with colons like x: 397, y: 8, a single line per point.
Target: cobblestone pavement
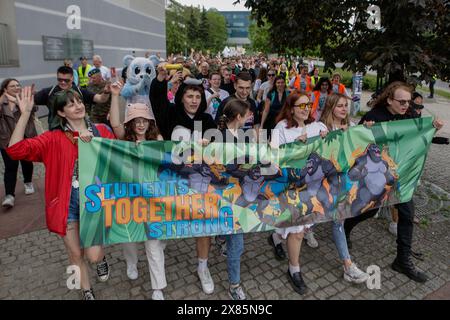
x: 33, y: 265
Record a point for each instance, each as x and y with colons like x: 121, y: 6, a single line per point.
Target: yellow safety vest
x: 84, y: 78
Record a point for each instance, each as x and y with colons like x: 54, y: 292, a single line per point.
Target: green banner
x: 168, y: 190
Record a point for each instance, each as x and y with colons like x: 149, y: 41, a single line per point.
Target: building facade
x: 37, y: 35
x: 238, y: 23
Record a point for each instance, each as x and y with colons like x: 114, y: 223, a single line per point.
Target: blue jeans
x: 74, y: 206
x: 235, y: 248
x: 340, y: 240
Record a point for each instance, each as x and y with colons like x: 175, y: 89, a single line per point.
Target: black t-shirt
x: 228, y: 87
x: 252, y: 120
x: 382, y: 114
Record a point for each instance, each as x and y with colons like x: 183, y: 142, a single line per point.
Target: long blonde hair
x: 327, y: 114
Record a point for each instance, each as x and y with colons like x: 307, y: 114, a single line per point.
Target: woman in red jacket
x: 58, y: 151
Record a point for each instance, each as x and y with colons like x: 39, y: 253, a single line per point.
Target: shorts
x: 74, y: 206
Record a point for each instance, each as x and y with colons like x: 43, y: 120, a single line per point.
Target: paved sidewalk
x: 33, y: 264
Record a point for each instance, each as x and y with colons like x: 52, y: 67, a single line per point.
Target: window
x: 9, y: 52
x: 4, y: 56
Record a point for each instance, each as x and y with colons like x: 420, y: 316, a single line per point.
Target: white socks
x: 293, y: 269
x: 202, y: 264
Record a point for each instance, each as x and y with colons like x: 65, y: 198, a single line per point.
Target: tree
x: 260, y: 37
x: 192, y: 29
x: 176, y: 29
x: 203, y: 30
x: 413, y: 41
x: 217, y: 31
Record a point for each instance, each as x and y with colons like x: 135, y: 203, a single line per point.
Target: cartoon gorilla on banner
x: 251, y: 181
x: 313, y: 191
x: 199, y: 175
x: 373, y: 175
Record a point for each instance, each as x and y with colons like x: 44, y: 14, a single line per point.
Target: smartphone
x: 113, y: 75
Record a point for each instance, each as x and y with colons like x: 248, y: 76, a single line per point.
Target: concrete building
x: 238, y: 23
x: 36, y: 35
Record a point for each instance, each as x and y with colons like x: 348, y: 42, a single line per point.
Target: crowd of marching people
x: 289, y: 99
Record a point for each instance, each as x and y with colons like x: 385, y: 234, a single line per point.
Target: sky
x: 221, y: 5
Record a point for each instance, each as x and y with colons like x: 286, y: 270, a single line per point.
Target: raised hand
x: 116, y: 88
x: 25, y: 100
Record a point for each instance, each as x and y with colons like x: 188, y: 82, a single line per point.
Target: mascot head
x: 141, y: 69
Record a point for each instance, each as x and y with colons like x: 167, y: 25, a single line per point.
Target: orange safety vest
x: 341, y: 88
x: 297, y: 83
x: 315, y: 104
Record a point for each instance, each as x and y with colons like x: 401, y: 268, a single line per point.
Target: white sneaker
x: 355, y: 275
x: 157, y: 295
x: 206, y: 281
x: 29, y: 188
x: 132, y: 272
x: 8, y: 202
x: 310, y: 240
x: 393, y: 228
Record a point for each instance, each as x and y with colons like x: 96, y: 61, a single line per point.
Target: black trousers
x: 11, y: 167
x: 405, y: 227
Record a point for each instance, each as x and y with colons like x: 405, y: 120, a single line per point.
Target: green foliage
x: 260, y: 37
x: 414, y: 38
x: 190, y: 27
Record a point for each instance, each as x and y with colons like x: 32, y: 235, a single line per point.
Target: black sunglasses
x: 64, y: 80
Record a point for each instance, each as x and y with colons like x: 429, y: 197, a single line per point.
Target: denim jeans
x: 74, y: 206
x: 235, y: 248
x: 339, y: 240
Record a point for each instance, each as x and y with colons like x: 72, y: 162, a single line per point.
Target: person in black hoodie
x: 171, y: 119
x: 187, y: 109
x: 393, y: 105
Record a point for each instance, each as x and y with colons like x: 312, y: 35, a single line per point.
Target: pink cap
x: 138, y: 110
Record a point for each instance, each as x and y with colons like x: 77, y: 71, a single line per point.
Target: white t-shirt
x: 266, y: 86
x: 214, y: 104
x: 286, y: 135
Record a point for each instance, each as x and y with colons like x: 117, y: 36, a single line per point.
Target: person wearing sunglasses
x: 294, y: 123
x: 393, y: 105
x: 9, y: 116
x: 265, y: 87
x: 64, y: 76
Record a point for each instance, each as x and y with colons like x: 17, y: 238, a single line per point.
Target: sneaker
x: 237, y: 293
x: 393, y: 228
x: 221, y: 245
x: 355, y: 275
x: 408, y: 269
x: 206, y: 281
x: 297, y: 282
x: 88, y: 294
x: 157, y: 295
x: 103, y: 270
x: 29, y: 188
x: 132, y: 272
x: 310, y: 240
x: 8, y: 202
